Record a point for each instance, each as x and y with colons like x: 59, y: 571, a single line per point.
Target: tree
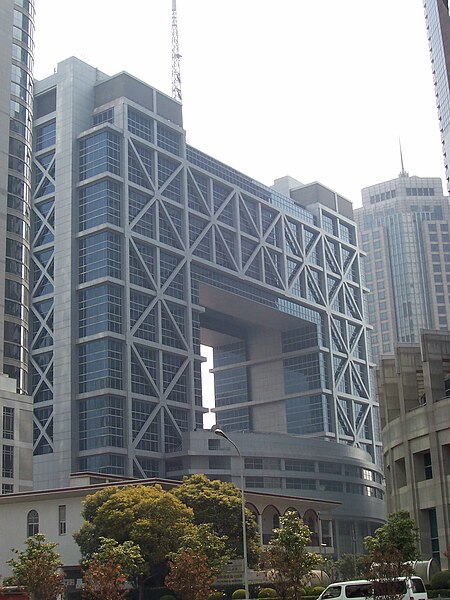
x: 38, y: 568
x: 190, y: 576
x: 126, y: 556
x: 202, y: 540
x: 153, y: 520
x: 219, y: 503
x: 390, y: 554
x: 351, y: 566
x: 104, y: 580
x: 399, y: 534
x: 286, y: 560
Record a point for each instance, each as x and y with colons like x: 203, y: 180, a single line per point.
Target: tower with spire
x: 403, y: 227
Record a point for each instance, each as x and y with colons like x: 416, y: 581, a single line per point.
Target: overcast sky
x: 320, y: 90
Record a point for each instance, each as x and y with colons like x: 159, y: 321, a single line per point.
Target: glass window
x: 32, y: 523
x: 305, y: 372
x: 100, y: 203
x: 213, y: 444
x: 100, y: 256
x: 101, y: 422
x: 100, y: 309
x: 253, y: 463
x: 8, y: 461
x: 294, y: 464
x: 428, y: 468
x: 62, y: 524
x: 332, y: 592
x: 106, y: 116
x: 103, y: 463
x: 234, y: 420
x: 140, y: 124
x: 308, y: 414
x: 45, y: 135
x: 100, y: 365
x: 8, y: 423
x: 169, y: 139
x: 144, y: 426
x: 219, y: 462
x: 100, y: 153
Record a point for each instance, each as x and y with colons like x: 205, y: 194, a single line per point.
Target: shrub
x: 441, y: 580
x: 439, y: 593
x: 238, y: 594
x: 290, y: 592
x: 317, y: 589
x: 268, y: 593
x: 167, y: 597
x: 216, y: 595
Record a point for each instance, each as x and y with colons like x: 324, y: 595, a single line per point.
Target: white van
x: 412, y: 588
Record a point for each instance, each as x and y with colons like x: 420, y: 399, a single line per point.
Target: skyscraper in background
x: 438, y: 32
x: 16, y: 98
x: 404, y: 229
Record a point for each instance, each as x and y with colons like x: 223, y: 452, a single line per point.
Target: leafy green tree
x: 190, y: 576
x: 350, y: 566
x: 286, y: 561
x: 38, y: 568
x: 153, y: 520
x: 390, y: 554
x: 399, y: 534
x: 104, y: 580
x: 219, y: 503
x: 202, y: 540
x: 127, y: 556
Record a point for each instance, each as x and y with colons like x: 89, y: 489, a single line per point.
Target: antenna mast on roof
x: 176, y: 77
x: 403, y: 173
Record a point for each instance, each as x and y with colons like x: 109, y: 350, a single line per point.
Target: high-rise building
x: 144, y: 248
x: 438, y: 32
x: 404, y: 229
x: 16, y: 64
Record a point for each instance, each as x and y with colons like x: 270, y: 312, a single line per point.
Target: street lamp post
x: 221, y: 433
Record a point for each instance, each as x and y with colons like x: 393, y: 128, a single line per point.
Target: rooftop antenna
x: 402, y: 173
x: 176, y: 77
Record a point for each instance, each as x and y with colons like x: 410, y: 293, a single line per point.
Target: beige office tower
x: 16, y: 63
x: 404, y: 229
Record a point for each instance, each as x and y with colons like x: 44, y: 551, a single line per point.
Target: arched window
x: 32, y: 523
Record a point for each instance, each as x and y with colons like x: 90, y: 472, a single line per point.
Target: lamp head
x: 220, y: 433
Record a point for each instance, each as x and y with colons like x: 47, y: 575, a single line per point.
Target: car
x: 403, y: 588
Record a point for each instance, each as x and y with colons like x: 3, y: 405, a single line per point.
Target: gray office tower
x: 404, y: 229
x: 16, y: 63
x: 144, y: 248
x: 438, y: 33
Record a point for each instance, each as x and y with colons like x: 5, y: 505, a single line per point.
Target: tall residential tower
x: 16, y: 64
x: 438, y: 32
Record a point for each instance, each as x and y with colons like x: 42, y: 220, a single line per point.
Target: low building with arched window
x: 57, y: 514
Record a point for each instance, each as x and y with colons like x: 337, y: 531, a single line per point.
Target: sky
x: 322, y: 90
